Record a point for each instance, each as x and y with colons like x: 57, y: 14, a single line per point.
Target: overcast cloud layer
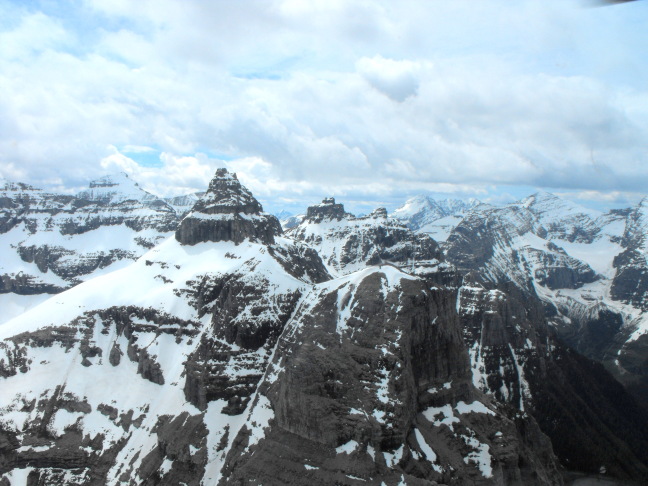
x: 364, y: 100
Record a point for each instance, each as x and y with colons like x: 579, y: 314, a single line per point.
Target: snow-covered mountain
x: 183, y: 204
x: 289, y: 220
x: 436, y: 217
x: 587, y: 268
x: 238, y: 358
x: 347, y: 243
x: 349, y: 350
x: 51, y: 242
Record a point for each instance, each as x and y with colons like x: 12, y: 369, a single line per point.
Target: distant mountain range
x: 194, y: 340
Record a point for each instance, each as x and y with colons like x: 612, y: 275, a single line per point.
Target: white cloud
x: 176, y: 175
x: 34, y: 33
x: 396, y: 79
x: 306, y: 99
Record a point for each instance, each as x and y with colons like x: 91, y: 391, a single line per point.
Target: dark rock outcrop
x: 630, y: 284
x: 591, y: 420
x: 364, y: 387
x: 227, y: 212
x: 328, y: 210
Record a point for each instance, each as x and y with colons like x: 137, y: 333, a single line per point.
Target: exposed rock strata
x: 227, y: 212
x: 347, y: 243
x: 378, y: 369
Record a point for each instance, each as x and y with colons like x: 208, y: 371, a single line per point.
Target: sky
x: 368, y: 101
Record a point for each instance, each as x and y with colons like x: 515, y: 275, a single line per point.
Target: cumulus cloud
x: 373, y: 100
x: 396, y: 79
x: 176, y: 174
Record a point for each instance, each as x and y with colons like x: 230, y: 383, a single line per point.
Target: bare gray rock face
x: 492, y: 241
x: 328, y: 210
x: 370, y: 383
x: 227, y: 212
x: 534, y: 244
x: 517, y: 358
x: 630, y: 283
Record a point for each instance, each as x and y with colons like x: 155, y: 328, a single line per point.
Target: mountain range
x: 193, y: 340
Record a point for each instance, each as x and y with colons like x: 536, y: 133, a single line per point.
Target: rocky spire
x: 328, y: 210
x: 227, y: 212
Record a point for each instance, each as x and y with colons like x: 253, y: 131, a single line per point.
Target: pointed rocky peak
x: 637, y: 223
x: 226, y: 195
x: 378, y: 213
x: 328, y: 210
x: 227, y: 212
x: 292, y: 221
x: 457, y: 206
x: 283, y: 214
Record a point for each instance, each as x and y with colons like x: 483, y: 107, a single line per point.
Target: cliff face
x: 518, y: 359
x: 227, y: 212
x: 588, y: 269
x: 370, y: 383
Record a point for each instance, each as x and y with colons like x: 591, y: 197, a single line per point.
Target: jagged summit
x: 347, y: 243
x: 327, y: 210
x: 378, y: 213
x: 227, y: 212
x: 7, y: 185
x: 226, y: 195
x: 563, y: 219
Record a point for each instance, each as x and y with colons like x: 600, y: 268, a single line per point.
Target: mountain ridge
x: 348, y: 349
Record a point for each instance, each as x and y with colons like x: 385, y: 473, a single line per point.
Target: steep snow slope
x: 115, y: 363
x: 289, y: 222
x: 146, y: 312
x: 52, y: 242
